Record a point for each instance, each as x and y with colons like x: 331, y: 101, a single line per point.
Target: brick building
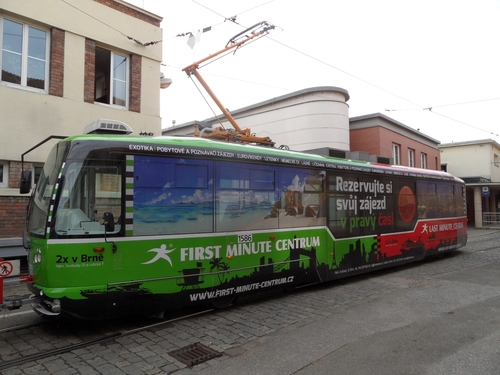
x: 380, y: 135
x: 64, y: 65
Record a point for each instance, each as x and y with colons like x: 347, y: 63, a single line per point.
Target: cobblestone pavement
x: 228, y: 330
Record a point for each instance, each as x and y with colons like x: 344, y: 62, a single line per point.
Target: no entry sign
x: 9, y: 268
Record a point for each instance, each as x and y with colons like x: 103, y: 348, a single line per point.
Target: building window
x: 396, y: 153
x: 24, y: 54
x: 37, y: 174
x: 4, y: 169
x: 423, y: 160
x: 111, y: 78
x: 411, y: 157
x: 495, y: 160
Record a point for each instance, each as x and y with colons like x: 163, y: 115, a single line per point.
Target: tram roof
x: 174, y: 146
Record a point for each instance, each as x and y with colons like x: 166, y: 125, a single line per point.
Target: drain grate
x: 194, y: 354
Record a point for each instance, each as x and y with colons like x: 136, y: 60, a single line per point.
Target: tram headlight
x: 37, y: 256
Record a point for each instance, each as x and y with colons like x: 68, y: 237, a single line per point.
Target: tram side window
x: 302, y: 197
x: 457, y: 205
x: 245, y: 196
x: 428, y: 204
x: 172, y: 196
x: 338, y: 207
x: 439, y: 199
x: 446, y: 199
x: 460, y: 202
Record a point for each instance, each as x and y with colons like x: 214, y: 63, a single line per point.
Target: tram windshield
x: 90, y: 188
x: 44, y: 190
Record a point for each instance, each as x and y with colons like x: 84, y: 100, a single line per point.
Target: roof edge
x: 400, y: 124
x: 470, y: 143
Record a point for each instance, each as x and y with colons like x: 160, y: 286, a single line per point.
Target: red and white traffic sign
x: 9, y: 268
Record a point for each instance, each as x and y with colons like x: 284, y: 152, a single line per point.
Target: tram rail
x: 73, y: 335
x: 22, y: 326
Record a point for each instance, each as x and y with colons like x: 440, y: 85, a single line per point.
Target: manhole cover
x: 194, y: 354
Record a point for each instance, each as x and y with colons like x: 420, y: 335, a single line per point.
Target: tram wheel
x: 223, y: 303
x: 288, y: 288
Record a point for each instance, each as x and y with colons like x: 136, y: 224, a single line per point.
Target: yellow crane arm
x: 238, y: 135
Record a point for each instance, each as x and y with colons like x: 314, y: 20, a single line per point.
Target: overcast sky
x: 434, y: 64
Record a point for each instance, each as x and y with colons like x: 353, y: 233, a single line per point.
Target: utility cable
x: 111, y: 27
x: 420, y: 107
x: 206, y: 101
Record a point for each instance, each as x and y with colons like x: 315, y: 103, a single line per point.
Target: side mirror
x: 109, y: 222
x: 25, y: 185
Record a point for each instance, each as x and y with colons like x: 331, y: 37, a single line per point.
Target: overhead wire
x: 111, y: 27
x: 206, y: 101
x: 308, y: 55
x: 431, y: 109
x: 207, y: 8
x: 461, y: 103
x: 464, y: 123
x: 419, y: 106
x: 389, y: 92
x: 231, y: 19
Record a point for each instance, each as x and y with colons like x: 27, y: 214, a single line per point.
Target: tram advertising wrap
x: 122, y: 225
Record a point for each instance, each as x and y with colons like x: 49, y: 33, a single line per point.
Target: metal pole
x: 217, y: 101
x: 1, y: 286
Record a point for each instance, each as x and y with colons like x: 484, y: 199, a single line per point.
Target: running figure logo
x: 161, y: 253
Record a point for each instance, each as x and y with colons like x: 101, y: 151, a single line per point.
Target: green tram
x: 120, y: 224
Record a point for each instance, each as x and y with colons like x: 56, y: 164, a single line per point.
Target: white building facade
x: 64, y: 65
x: 302, y: 120
x: 478, y: 164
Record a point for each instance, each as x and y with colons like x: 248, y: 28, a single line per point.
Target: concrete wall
x: 472, y: 159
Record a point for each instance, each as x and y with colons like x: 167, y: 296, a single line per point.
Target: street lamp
x: 164, y: 82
